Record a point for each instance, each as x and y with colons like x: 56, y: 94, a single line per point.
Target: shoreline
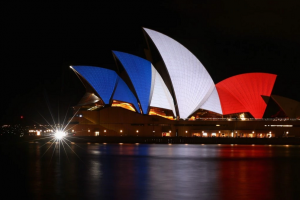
x: 159, y: 140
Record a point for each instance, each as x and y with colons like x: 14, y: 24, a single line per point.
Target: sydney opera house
x: 170, y: 93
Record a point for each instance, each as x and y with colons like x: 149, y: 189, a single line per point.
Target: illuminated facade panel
x: 247, y: 90
x: 139, y: 72
x: 191, y: 81
x: 161, y: 96
x: 123, y: 93
x: 229, y: 103
x: 102, y: 80
x: 213, y: 102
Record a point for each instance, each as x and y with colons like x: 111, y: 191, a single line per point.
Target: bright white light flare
x: 59, y: 134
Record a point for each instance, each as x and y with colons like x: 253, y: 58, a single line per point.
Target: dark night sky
x: 41, y: 40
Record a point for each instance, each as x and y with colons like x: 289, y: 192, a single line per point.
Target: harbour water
x: 150, y: 171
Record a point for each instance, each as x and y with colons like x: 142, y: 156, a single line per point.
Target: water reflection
x: 156, y: 171
x: 246, y: 173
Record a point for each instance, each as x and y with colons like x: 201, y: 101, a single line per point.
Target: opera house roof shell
x: 186, y: 88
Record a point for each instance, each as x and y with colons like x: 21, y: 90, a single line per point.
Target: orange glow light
x: 152, y: 112
x: 127, y: 106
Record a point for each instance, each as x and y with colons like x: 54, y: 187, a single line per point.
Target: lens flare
x: 59, y: 134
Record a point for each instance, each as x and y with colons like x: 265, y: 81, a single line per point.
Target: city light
x: 242, y: 116
x: 59, y: 134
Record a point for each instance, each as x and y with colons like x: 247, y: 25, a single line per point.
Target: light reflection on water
x: 158, y: 171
